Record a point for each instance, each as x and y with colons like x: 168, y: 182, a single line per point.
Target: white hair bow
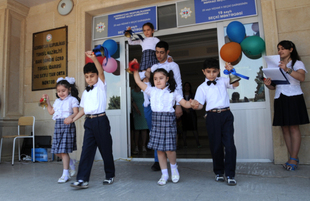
x: 71, y: 80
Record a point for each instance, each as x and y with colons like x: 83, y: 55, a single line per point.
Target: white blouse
x: 162, y: 100
x: 293, y: 88
x: 64, y: 108
x: 149, y: 43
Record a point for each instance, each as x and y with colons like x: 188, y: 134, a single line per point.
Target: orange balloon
x: 230, y: 52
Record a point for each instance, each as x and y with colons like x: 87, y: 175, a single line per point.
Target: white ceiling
x: 31, y: 3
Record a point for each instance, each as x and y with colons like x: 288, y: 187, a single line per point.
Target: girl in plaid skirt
x: 164, y: 129
x: 65, y: 107
x: 148, y: 44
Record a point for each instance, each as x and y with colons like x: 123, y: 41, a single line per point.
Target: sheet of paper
x: 272, y: 61
x: 276, y: 75
x: 273, y: 73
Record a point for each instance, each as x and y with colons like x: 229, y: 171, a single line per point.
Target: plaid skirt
x: 148, y: 59
x: 64, y: 140
x: 164, y: 131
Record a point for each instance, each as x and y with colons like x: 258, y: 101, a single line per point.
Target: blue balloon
x: 111, y: 46
x: 236, y: 31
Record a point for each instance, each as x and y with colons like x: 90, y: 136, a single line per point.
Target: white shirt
x: 176, y: 71
x: 94, y: 101
x: 64, y: 108
x: 149, y: 43
x: 215, y: 96
x: 162, y: 100
x: 146, y: 96
x: 293, y: 88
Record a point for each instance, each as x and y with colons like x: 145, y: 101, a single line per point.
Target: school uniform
x: 148, y: 45
x: 164, y: 129
x: 64, y: 139
x: 289, y: 103
x: 168, y: 66
x: 219, y: 123
x: 97, y: 132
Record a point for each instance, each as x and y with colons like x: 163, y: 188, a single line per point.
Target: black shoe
x: 219, y: 177
x: 155, y: 166
x: 108, y: 181
x: 79, y: 185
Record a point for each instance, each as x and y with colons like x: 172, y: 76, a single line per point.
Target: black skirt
x: 290, y: 110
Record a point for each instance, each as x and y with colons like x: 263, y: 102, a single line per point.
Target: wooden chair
x: 22, y: 121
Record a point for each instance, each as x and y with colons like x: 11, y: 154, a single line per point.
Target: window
x: 251, y: 90
x: 113, y: 81
x: 166, y: 17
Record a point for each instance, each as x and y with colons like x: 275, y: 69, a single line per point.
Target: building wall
x: 283, y: 19
x: 288, y: 20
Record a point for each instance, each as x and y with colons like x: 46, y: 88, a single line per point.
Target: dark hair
x: 163, y: 44
x: 286, y: 44
x: 190, y: 87
x: 90, y: 68
x: 171, y: 82
x: 211, y: 63
x: 66, y: 84
x: 148, y: 24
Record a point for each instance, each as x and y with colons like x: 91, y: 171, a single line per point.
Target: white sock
x: 165, y: 173
x: 65, y: 172
x: 81, y: 181
x: 174, y: 168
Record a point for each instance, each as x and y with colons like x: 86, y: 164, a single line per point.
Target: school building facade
x: 191, y: 42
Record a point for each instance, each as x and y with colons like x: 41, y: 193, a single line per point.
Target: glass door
x: 116, y: 108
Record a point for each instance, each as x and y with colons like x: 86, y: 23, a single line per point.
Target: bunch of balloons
x: 103, y: 53
x: 252, y: 46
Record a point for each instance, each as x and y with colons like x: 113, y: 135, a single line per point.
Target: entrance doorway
x: 188, y: 50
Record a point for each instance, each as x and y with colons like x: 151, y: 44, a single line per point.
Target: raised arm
x: 141, y: 84
x: 298, y: 75
x: 229, y: 67
x: 50, y: 108
x: 93, y: 57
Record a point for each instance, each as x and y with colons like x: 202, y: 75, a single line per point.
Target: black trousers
x: 220, y: 130
x: 97, y: 134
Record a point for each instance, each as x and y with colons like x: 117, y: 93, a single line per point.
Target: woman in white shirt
x: 289, y: 105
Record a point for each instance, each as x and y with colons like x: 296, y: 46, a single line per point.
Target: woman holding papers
x: 289, y: 105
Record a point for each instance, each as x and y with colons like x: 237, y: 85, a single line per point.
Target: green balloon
x: 253, y: 45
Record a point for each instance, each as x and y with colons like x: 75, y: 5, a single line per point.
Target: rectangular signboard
x: 49, y: 58
x: 215, y: 10
x: 119, y: 22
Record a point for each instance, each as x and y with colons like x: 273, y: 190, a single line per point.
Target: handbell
x: 233, y: 78
x: 102, y: 51
x: 128, y: 33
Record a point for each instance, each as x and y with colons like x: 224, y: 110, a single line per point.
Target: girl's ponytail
x: 171, y: 81
x: 171, y: 84
x: 75, y: 91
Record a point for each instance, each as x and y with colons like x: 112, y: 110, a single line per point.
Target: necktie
x: 209, y: 82
x: 89, y: 88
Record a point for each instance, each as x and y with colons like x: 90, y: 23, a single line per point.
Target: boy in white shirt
x: 97, y: 126
x: 219, y: 120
